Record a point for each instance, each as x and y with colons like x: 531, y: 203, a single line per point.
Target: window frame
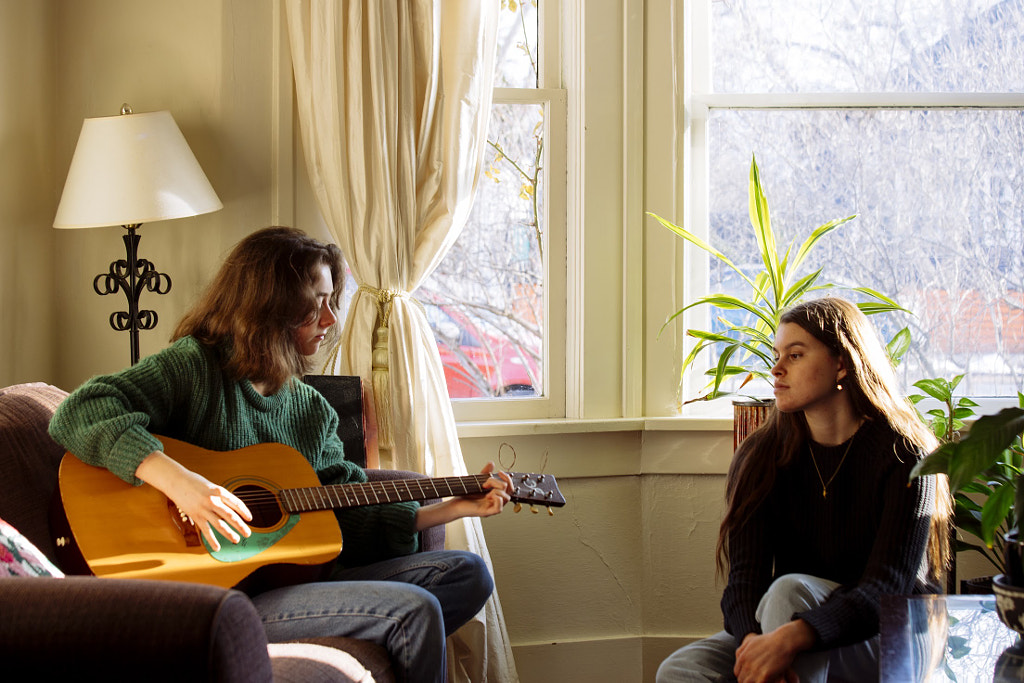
x: 552, y: 404
x: 699, y: 101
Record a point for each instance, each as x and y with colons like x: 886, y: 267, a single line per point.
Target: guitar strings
x: 368, y: 490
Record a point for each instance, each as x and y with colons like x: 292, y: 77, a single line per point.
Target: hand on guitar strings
x: 208, y: 505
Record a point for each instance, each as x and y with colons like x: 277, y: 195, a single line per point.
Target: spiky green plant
x: 747, y: 349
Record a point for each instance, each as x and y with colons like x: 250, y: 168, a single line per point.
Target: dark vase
x: 1013, y: 553
x: 748, y: 416
x: 981, y: 585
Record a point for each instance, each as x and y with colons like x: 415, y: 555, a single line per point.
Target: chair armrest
x: 430, y: 539
x: 121, y: 629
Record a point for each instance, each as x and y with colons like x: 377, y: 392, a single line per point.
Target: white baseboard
x: 608, y: 660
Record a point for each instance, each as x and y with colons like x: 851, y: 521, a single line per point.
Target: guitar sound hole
x: 262, y: 503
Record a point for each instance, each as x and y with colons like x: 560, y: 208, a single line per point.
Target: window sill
x: 476, y: 429
x: 704, y: 418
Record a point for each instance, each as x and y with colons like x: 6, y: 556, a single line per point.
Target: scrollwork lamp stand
x: 131, y: 276
x: 128, y: 170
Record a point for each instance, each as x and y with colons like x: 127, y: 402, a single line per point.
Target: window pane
x: 940, y: 223
x: 485, y: 300
x: 516, y: 64
x: 867, y: 46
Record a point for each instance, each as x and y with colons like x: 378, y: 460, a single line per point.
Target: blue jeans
x: 713, y: 659
x: 407, y: 604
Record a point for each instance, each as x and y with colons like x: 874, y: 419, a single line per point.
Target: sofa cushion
x: 18, y: 557
x: 29, y: 459
x: 333, y: 659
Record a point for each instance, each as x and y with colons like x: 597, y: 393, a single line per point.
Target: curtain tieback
x: 381, y: 375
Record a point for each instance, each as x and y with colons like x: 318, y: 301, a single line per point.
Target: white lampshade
x: 132, y: 169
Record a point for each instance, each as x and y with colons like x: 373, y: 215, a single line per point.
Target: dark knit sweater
x: 869, y: 535
x: 182, y: 392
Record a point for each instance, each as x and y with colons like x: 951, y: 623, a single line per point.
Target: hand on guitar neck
x: 490, y: 503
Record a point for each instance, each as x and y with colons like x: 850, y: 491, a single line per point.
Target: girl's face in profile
x: 310, y: 334
x: 805, y: 371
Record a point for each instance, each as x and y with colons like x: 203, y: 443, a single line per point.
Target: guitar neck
x: 335, y: 496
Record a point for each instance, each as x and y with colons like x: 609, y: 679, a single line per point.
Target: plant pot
x: 1009, y: 602
x: 747, y: 416
x: 981, y: 585
x: 1013, y: 553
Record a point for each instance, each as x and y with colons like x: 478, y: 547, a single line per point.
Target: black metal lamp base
x: 131, y: 276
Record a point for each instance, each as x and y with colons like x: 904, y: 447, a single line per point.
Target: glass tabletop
x: 942, y: 638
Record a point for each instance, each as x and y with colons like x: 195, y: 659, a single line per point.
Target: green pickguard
x: 249, y: 547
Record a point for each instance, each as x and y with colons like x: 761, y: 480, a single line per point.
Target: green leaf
x: 983, y: 445
x: 898, y: 345
x: 698, y: 242
x: 938, y: 389
x: 799, y: 288
x: 709, y: 336
x: 816, y: 235
x: 880, y: 299
x: 760, y: 220
x: 720, y: 300
x: 937, y: 462
x: 723, y: 364
x: 962, y: 413
x: 995, y: 511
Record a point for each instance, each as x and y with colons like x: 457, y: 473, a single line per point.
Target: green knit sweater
x: 182, y: 392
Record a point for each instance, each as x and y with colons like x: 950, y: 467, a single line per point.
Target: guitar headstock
x: 535, y: 489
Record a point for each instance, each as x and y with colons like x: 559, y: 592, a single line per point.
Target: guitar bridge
x: 183, y: 524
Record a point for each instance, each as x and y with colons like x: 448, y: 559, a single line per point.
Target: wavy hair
x: 874, y: 392
x: 262, y: 293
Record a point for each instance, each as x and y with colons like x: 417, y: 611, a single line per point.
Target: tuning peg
x: 551, y: 513
x: 517, y: 507
x: 533, y: 509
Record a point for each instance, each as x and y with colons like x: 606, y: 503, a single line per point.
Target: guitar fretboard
x: 335, y: 496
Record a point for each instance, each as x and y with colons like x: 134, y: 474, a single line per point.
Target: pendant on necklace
x: 824, y: 493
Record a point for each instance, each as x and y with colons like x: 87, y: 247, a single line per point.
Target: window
x: 489, y: 301
x: 908, y: 114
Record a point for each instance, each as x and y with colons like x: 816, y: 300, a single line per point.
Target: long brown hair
x: 262, y: 293
x: 874, y: 393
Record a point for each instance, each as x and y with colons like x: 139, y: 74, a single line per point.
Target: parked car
x: 478, y: 364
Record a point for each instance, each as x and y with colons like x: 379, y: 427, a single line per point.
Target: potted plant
x: 946, y: 422
x: 984, y: 469
x: 745, y: 348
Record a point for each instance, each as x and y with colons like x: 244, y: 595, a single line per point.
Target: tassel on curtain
x: 380, y: 364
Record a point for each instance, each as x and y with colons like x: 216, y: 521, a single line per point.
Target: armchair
x: 120, y: 629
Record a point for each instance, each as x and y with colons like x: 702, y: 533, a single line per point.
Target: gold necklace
x: 825, y: 484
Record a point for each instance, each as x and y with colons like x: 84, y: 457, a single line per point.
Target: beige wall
x: 211, y: 64
x: 606, y: 587
x: 28, y: 270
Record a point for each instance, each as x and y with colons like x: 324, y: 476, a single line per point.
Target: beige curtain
x: 393, y: 101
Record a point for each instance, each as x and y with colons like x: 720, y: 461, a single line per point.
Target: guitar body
x: 127, y: 531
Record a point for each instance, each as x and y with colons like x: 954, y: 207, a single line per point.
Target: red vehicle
x: 478, y: 364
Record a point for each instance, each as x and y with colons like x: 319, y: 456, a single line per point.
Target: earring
x: 839, y: 387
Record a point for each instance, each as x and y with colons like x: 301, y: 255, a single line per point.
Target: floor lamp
x: 128, y: 170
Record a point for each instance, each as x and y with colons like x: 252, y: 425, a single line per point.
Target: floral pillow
x: 18, y: 557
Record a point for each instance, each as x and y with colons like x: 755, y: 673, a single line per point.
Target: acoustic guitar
x: 109, y: 528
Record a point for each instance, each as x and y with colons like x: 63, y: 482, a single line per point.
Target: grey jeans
x: 713, y: 659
